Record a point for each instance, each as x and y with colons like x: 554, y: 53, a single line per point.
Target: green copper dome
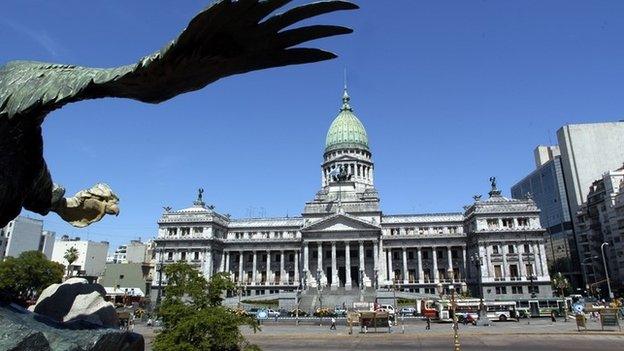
x: 346, y: 130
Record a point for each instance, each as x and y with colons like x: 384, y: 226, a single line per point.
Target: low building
x: 134, y: 252
x: 91, y: 256
x: 126, y: 279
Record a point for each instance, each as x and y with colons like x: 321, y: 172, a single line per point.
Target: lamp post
x: 456, y: 344
x: 160, y: 269
x: 483, y: 319
x: 319, y: 290
x: 604, y: 263
x: 585, y: 263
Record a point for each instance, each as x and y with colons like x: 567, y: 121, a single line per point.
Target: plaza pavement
x: 539, y: 335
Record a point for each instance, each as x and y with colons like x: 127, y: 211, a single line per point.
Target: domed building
x: 343, y: 245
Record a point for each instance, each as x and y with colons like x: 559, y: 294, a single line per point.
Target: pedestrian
x: 276, y: 315
x: 428, y: 327
x: 333, y: 324
x: 552, y: 317
x: 465, y: 320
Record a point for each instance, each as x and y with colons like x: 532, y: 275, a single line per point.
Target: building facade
x: 343, y: 242
x: 600, y: 219
x: 91, y: 256
x: 547, y: 187
x: 25, y: 234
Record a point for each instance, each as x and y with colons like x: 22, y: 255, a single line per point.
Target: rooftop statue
x: 227, y: 38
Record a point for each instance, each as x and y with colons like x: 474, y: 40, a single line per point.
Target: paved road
x: 433, y: 343
x: 540, y: 335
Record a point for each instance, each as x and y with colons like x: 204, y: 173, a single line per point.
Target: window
x: 529, y: 269
x: 454, y: 254
x: 395, y: 255
x: 183, y: 256
x: 249, y: 258
x: 196, y: 255
x: 526, y: 248
x: 440, y: 253
x: 533, y: 289
x: 501, y: 290
x: 495, y: 249
x: 291, y: 257
x: 314, y: 254
x: 516, y: 290
x: 410, y: 255
x: 511, y: 248
x: 198, y: 230
x: 492, y: 223
x: 169, y: 255
x: 172, y: 231
x: 513, y: 271
x: 498, y: 272
x: 425, y: 255
x: 507, y: 222
x: 369, y: 253
x: 523, y: 222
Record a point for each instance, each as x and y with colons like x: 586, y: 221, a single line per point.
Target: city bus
x: 501, y: 310
x: 543, y: 307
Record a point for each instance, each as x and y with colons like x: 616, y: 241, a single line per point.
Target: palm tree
x: 71, y: 255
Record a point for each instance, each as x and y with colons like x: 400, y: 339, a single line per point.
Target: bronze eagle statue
x: 227, y: 38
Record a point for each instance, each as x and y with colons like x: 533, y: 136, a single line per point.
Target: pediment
x: 340, y: 223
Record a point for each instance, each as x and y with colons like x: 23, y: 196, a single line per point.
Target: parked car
x: 253, y: 311
x: 340, y: 312
x: 293, y: 313
x: 272, y: 313
x: 407, y: 311
x: 387, y: 308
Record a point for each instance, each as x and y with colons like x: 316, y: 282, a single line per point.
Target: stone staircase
x: 332, y: 298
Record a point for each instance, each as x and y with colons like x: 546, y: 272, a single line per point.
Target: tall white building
x: 587, y: 152
x: 46, y: 245
x: 345, y: 243
x: 91, y: 255
x: 21, y: 234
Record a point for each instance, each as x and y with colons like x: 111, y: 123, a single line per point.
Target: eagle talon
x: 88, y: 206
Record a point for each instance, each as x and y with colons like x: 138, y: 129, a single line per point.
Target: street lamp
x: 319, y: 291
x: 585, y: 263
x: 604, y: 263
x: 483, y: 319
x: 160, y: 269
x: 456, y: 345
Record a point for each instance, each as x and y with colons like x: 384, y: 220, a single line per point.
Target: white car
x: 407, y: 311
x: 271, y: 313
x: 387, y: 308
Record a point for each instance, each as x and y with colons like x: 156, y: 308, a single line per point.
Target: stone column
x: 434, y: 256
x: 296, y: 277
x: 449, y: 258
x: 421, y: 273
x: 347, y: 266
x: 383, y: 269
x: 227, y: 261
x: 405, y: 273
x: 319, y: 262
x: 390, y: 271
x: 240, y: 267
x: 334, y: 269
x: 505, y: 265
x: 522, y: 268
x: 222, y: 263
x: 282, y: 270
x: 208, y: 264
x: 361, y: 254
x: 254, y: 277
x: 375, y: 257
x: 268, y: 268
x: 306, y: 255
x: 464, y: 260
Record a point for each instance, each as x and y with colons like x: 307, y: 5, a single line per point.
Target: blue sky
x: 450, y: 92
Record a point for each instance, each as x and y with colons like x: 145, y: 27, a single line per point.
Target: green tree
x: 71, y: 255
x: 193, y: 317
x: 27, y: 275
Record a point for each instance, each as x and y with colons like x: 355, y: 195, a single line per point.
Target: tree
x: 27, y: 275
x: 193, y: 317
x: 71, y: 255
x: 560, y: 283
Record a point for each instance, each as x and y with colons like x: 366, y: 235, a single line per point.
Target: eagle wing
x: 227, y: 38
